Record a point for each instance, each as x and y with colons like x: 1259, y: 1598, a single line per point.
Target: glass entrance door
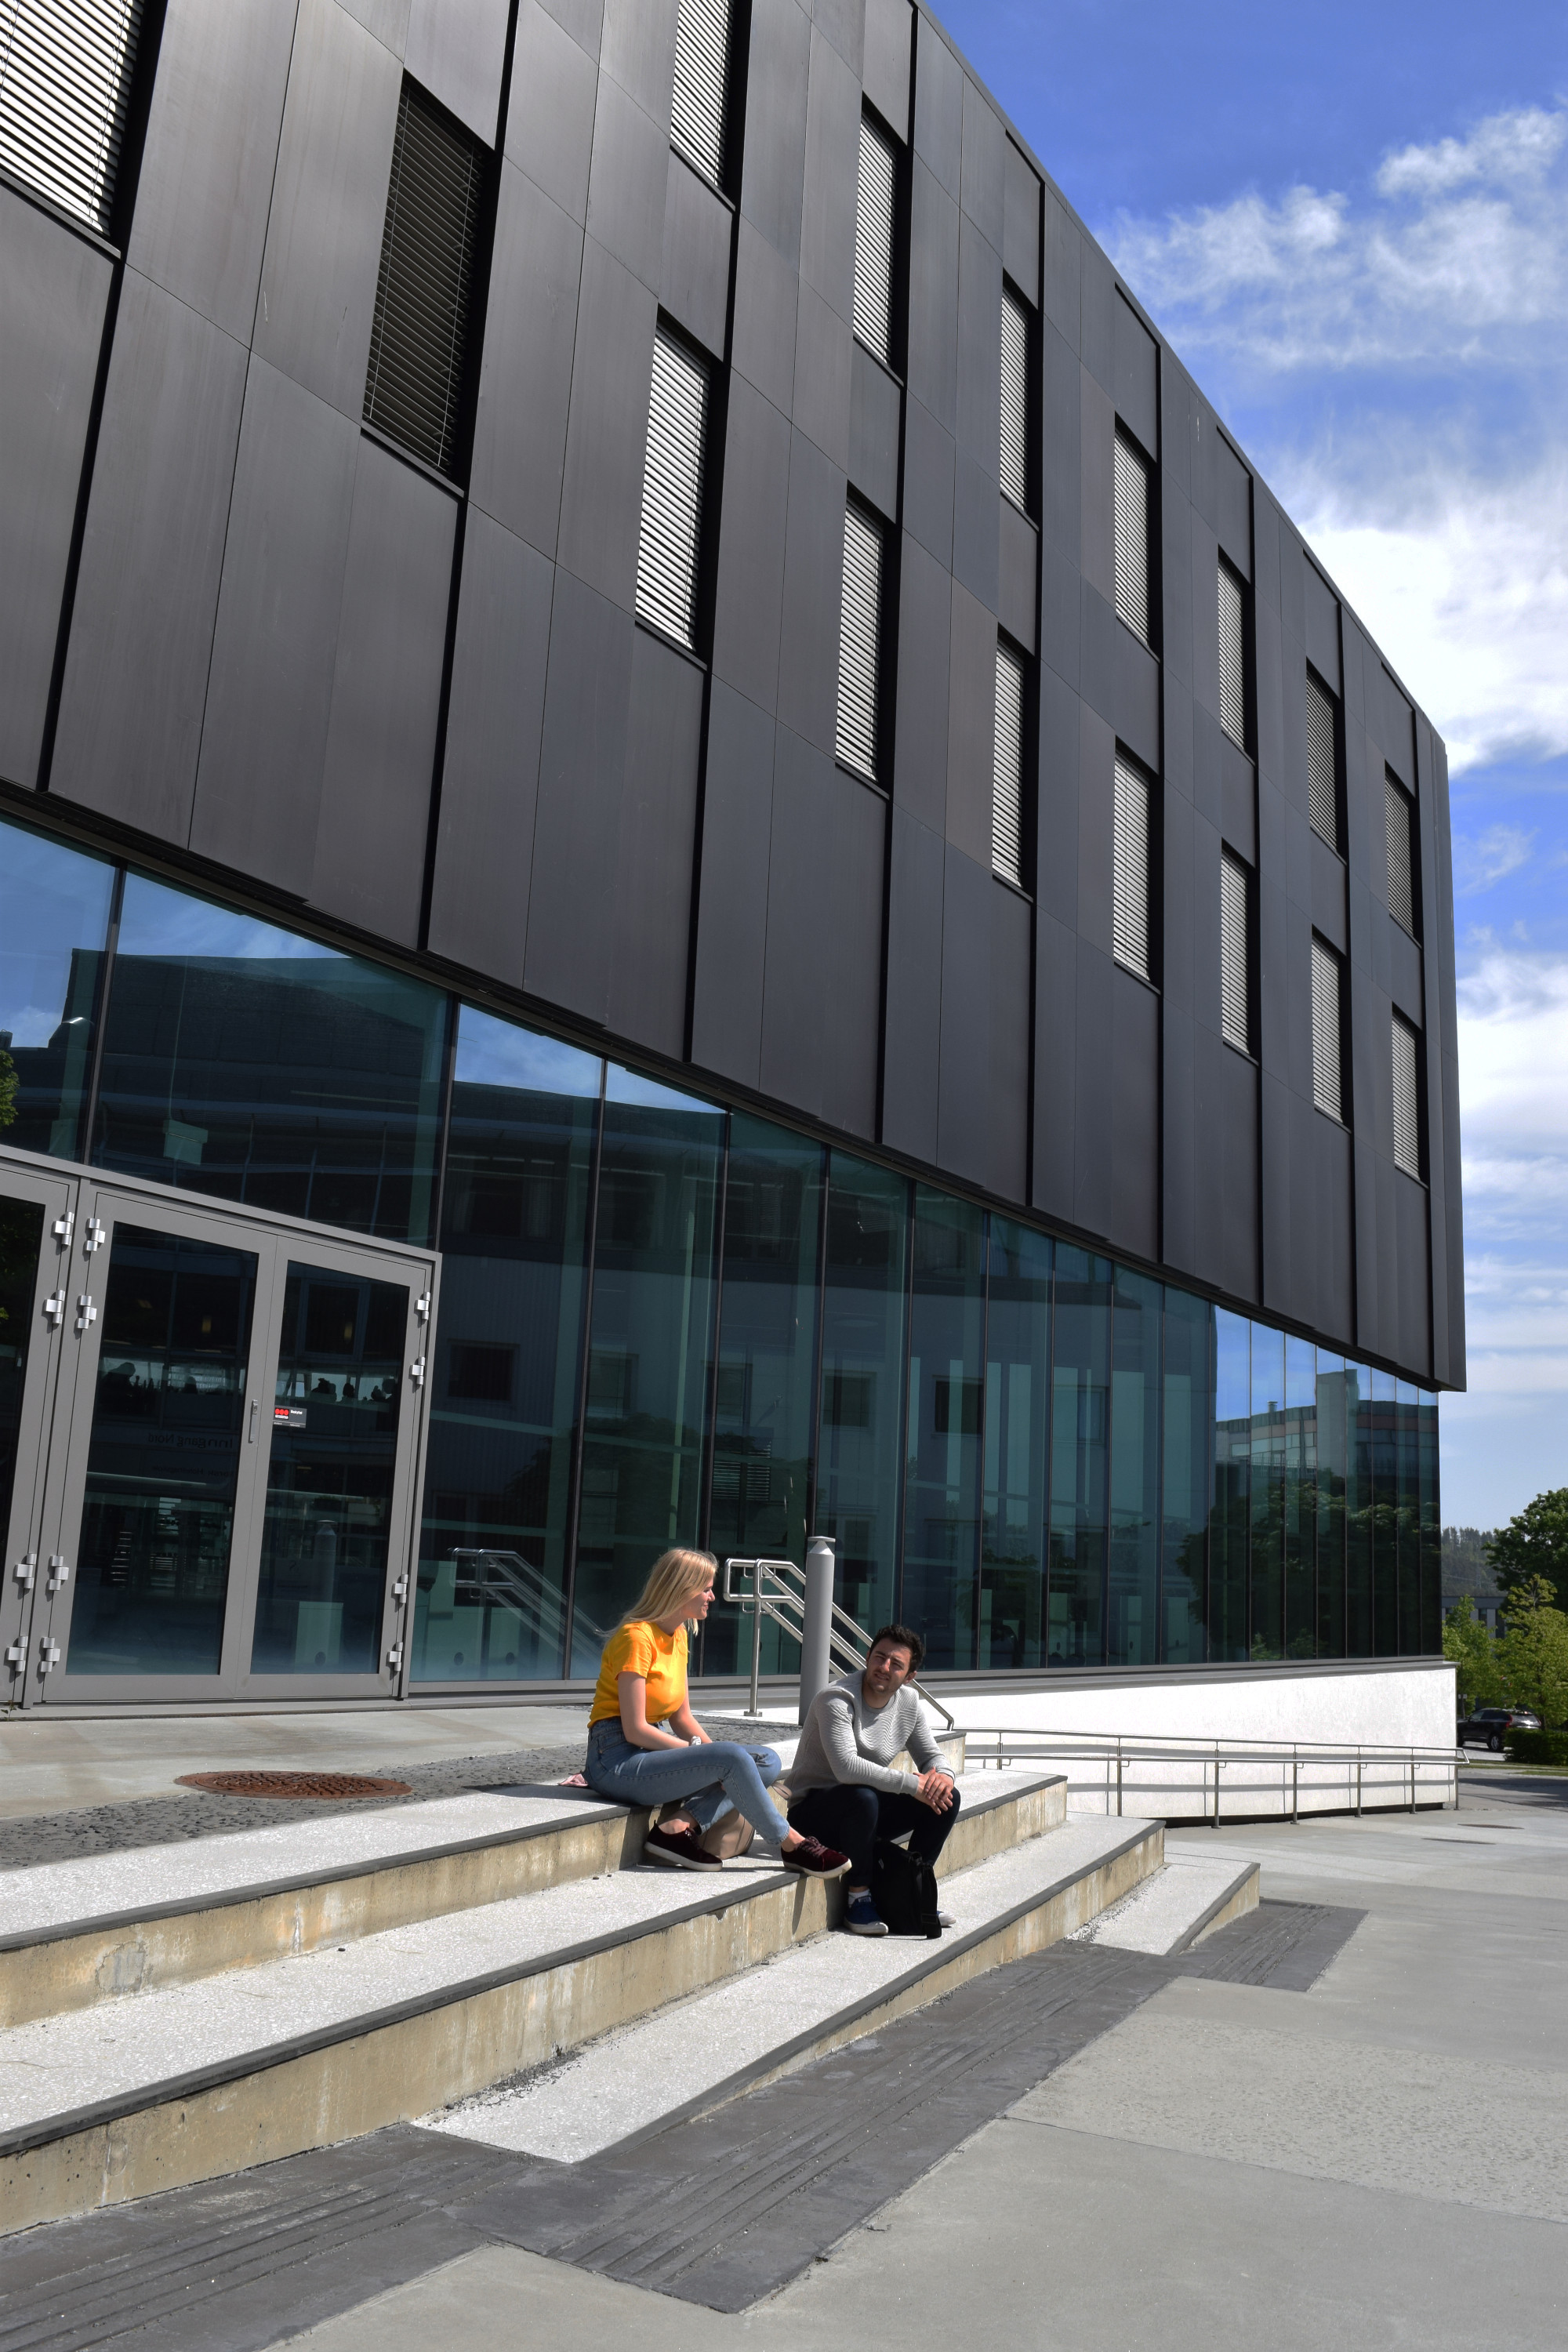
x: 34, y: 1243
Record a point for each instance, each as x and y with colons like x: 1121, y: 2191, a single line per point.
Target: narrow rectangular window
x: 65, y: 85
x: 419, y: 336
x: 1232, y: 655
x: 1327, y: 1026
x: 1129, y: 868
x: 669, y: 547
x: 859, y: 645
x: 1131, y: 506
x: 1399, y: 819
x: 1235, y: 951
x: 875, y: 214
x: 697, y: 114
x: 1406, y: 1099
x: 1322, y: 761
x: 1007, y: 780
x: 1014, y: 400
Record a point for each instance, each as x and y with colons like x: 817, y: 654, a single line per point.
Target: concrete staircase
x: 494, y: 1964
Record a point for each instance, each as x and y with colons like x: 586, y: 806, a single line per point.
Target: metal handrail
x: 1115, y: 1753
x: 778, y: 1586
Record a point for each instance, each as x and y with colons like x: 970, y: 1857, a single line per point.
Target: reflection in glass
x: 863, y: 1351
x: 1232, y: 1486
x: 1300, y: 1477
x: 1332, y: 1383
x: 1357, y: 1511
x: 1431, y: 1525
x: 649, y: 1339
x: 21, y: 1238
x: 762, y: 1383
x: 505, y: 1367
x: 1382, y: 1420
x: 54, y: 918
x: 1267, y: 1491
x: 247, y: 1062
x: 1081, y: 1399
x: 329, y: 1474
x: 942, y: 1471
x: 158, y: 1513
x: 1131, y: 1627
x: 1408, y: 1485
x: 1186, y: 1390
x: 1017, y: 1439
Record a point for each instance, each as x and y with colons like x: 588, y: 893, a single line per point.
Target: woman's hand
x: 685, y: 1723
x: 635, y: 1724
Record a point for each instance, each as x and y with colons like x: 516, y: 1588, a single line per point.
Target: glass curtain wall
x: 942, y: 1451
x: 1186, y: 1390
x: 1131, y: 1622
x: 55, y: 909
x: 1081, y: 1456
x: 861, y: 1445
x: 1016, y: 1446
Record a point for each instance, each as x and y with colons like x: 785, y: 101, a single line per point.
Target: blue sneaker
x: 862, y: 1917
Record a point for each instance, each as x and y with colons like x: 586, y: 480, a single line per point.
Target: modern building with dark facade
x: 684, y: 854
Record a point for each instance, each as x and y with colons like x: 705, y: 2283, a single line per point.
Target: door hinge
x: 16, y: 1657
x: 59, y: 1572
x: 63, y: 1228
x: 86, y: 1312
x: 417, y: 1372
x: 26, y: 1568
x: 422, y: 1306
x: 48, y: 1655
x: 55, y: 1307
x: 400, y: 1589
x: 394, y: 1656
x: 97, y: 1233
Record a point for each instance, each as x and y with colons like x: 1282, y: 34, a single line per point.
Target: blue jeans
x: 705, y: 1779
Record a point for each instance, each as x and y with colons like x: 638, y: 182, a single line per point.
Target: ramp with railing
x: 1225, y: 1779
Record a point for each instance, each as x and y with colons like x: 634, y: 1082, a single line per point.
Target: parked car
x: 1488, y: 1726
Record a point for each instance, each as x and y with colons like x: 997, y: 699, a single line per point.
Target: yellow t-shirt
x: 646, y: 1650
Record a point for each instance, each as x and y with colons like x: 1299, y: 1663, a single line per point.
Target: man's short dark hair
x: 906, y: 1638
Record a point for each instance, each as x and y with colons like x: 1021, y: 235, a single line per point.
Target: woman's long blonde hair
x: 673, y: 1575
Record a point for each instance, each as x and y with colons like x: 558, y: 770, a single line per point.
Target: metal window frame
x: 876, y: 212
x: 670, y: 534
x: 1235, y: 936
x: 1132, y: 535
x: 858, y: 727
x: 1328, y: 1030
x: 1234, y: 699
x: 1007, y: 830
x: 1399, y: 833
x: 1132, y: 866
x: 1015, y: 403
x: 701, y: 97
x: 1404, y: 1043
x: 1322, y: 700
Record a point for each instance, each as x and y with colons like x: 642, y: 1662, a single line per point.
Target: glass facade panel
x: 864, y: 1328
x: 1408, y: 1485
x: 1382, y: 1449
x: 1331, y: 1378
x: 1016, y: 1447
x: 650, y: 1345
x: 53, y: 921
x: 1081, y: 1418
x: 506, y: 1367
x: 21, y: 1239
x: 1300, y: 1486
x: 1132, y: 1630
x: 1267, y: 1495
x: 1357, y: 1511
x: 1231, y: 1486
x: 1431, y: 1525
x: 942, y: 1471
x: 1188, y: 1393
x: 765, y: 1381
x: 247, y: 1062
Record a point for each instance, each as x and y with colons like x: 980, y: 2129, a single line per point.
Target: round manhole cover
x: 293, y: 1784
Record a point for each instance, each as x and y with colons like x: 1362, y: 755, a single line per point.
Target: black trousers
x: 852, y: 1817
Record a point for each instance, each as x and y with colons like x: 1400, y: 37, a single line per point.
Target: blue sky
x: 1352, y: 224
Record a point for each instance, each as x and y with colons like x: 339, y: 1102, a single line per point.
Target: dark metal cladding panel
x: 386, y: 699
x: 875, y: 405
x: 930, y: 466
x: 1236, y: 1141
x: 1061, y: 446
x: 1203, y: 549
x: 971, y: 727
x: 1176, y: 583
x: 983, y: 189
x: 258, y: 779
x: 1012, y: 945
x: 979, y: 349
x: 1056, y: 1067
x: 1097, y: 529
x: 843, y: 21
x: 1433, y: 846
x: 490, y: 783
x: 1094, y: 1095
x: 694, y: 279
x: 1056, y: 877
x: 525, y: 374
x: 582, y: 782
x: 732, y: 897
x: 601, y: 491
x: 135, y: 682
x: 1137, y: 384
x: 205, y: 185
x: 976, y: 530
x: 762, y: 347
x: 1411, y: 1255
x: 911, y: 1049
x: 658, y: 848
x: 1330, y: 913
x: 1062, y: 275
x: 1292, y: 587
x: 1443, y: 1074
x: 1233, y: 501
x: 970, y: 904
x: 1322, y: 616
x: 1061, y: 617
x: 1322, y: 1164
x: 1208, y: 771
x: 773, y: 179
x: 1178, y: 1194
x: 832, y: 178
x: 1096, y: 774
x: 1271, y: 696
x: 858, y: 846
x: 920, y: 737
x: 329, y: 206
x: 822, y: 377
x: 636, y: 47
x: 1180, y: 941
x: 1238, y: 800
x: 1267, y: 524
x: 1134, y: 1075
x: 584, y: 19
x: 888, y: 41
x: 813, y: 584
x: 1283, y: 1238
x: 53, y: 291
x: 1021, y: 223
x: 939, y: 108
x: 455, y: 50
x: 627, y: 184
x: 753, y: 520
x: 821, y: 1011
x: 549, y: 111
x: 1177, y: 425
x: 934, y: 297
x: 1137, y: 705
x: 1404, y: 975
x: 1017, y: 586
x: 1098, y: 306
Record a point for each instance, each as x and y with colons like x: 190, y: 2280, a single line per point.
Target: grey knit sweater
x: 844, y: 1739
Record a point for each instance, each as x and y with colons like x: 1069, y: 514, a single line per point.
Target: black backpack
x: 903, y: 1889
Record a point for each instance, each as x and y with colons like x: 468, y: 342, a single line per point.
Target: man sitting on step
x: 844, y: 1787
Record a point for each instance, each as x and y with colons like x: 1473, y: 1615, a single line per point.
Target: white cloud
x: 1479, y: 864
x: 1516, y: 146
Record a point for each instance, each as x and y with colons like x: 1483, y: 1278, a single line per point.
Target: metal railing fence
x: 1336, y: 1776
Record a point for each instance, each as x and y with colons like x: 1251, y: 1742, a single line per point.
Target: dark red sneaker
x: 680, y: 1846
x: 816, y: 1860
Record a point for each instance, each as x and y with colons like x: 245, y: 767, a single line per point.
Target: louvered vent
x: 671, y: 543
x: 1015, y: 399
x: 1398, y: 813
x: 1326, y: 1088
x: 1232, y: 656
x: 701, y: 79
x: 1406, y: 1100
x: 1322, y: 765
x: 1129, y: 868
x: 874, y: 217
x: 1007, y: 781
x: 1131, y: 535
x: 859, y: 631
x: 65, y: 83
x: 419, y: 338
x: 1236, y: 995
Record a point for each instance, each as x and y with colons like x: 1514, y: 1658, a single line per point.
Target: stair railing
x: 777, y: 1589
x: 1121, y: 1765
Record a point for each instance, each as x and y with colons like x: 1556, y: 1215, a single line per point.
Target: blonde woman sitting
x: 646, y: 1747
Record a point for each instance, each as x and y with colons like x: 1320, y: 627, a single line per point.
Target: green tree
x: 1533, y: 1651
x: 7, y: 1088
x: 1535, y: 1543
x: 1468, y: 1646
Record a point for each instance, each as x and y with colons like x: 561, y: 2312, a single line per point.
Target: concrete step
x: 693, y: 2055
x: 181, y: 2082
x: 1176, y: 1907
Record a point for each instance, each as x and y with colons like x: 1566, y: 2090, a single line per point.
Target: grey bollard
x: 816, y: 1622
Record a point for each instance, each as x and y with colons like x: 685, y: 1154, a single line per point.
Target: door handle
x: 255, y: 1408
